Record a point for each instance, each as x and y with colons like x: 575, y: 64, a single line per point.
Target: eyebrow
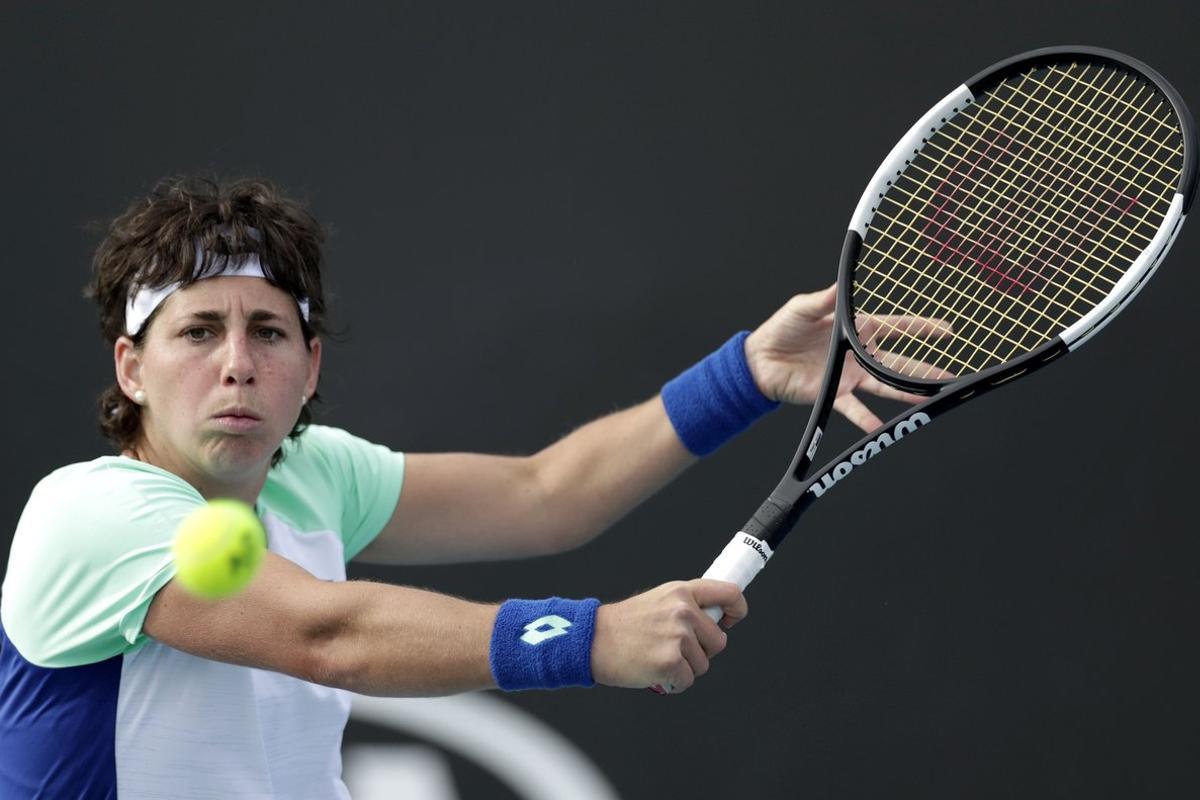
x: 257, y: 315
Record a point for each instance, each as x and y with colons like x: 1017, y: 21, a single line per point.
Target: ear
x: 314, y: 366
x: 128, y: 363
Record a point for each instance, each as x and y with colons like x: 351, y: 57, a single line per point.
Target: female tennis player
x: 116, y: 681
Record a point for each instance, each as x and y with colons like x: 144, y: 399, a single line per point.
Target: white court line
x: 533, y: 759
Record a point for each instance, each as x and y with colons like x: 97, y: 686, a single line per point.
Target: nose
x: 238, y: 366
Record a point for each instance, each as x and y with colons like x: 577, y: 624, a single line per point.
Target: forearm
x: 379, y: 639
x: 398, y: 641
x: 466, y: 506
x: 598, y: 473
x: 606, y: 468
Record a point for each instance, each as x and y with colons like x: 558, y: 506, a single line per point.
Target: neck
x: 243, y: 486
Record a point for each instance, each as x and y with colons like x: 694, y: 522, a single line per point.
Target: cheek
x: 296, y: 369
x: 283, y: 381
x: 280, y: 374
x: 164, y: 372
x: 177, y: 381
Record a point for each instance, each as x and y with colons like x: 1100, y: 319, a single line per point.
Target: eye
x: 271, y: 334
x: 196, y: 334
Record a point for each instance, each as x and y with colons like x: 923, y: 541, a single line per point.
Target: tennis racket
x: 1011, y: 223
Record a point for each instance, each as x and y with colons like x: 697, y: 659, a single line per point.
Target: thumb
x: 816, y: 305
x: 721, y: 594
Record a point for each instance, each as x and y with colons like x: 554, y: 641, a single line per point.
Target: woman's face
x: 225, y: 371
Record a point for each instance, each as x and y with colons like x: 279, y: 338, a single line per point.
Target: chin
x: 242, y: 453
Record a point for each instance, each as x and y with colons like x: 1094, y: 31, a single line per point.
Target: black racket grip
x: 771, y: 522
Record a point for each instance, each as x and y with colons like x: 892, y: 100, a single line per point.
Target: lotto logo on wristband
x: 544, y: 628
x: 520, y: 658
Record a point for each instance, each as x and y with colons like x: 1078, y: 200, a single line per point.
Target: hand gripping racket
x: 1012, y: 222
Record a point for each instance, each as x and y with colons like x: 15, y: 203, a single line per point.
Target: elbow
x: 559, y: 535
x: 566, y: 539
x: 559, y: 522
x: 322, y: 653
x: 323, y: 662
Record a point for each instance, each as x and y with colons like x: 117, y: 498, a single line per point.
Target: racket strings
x: 1055, y: 191
x: 1021, y: 235
x: 1091, y: 277
x: 1015, y: 219
x: 1165, y: 129
x: 1114, y: 138
x: 956, y: 251
x: 1143, y: 235
x: 1029, y: 95
x: 1151, y: 177
x: 990, y: 250
x: 997, y: 220
x: 1165, y: 190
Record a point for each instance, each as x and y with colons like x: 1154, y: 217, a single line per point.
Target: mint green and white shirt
x: 92, y: 707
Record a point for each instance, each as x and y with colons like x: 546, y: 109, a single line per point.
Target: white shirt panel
x: 193, y: 729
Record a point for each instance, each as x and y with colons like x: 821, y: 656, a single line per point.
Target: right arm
x: 380, y: 639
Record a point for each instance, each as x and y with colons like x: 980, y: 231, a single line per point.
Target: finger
x: 693, y: 653
x: 853, y: 409
x: 727, y: 596
x: 681, y: 680
x: 712, y: 639
x: 816, y: 305
x: 912, y: 367
x: 881, y: 389
x: 905, y: 325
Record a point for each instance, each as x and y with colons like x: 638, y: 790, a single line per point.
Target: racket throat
x: 822, y: 408
x: 773, y: 520
x: 822, y: 483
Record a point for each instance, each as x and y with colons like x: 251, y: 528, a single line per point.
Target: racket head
x: 1016, y: 218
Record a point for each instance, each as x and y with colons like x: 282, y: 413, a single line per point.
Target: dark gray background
x: 543, y: 211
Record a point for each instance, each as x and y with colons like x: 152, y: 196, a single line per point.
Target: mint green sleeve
x: 355, y: 483
x: 92, y: 548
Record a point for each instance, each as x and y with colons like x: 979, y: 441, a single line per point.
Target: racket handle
x: 742, y: 559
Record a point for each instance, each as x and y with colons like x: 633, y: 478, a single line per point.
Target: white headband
x: 142, y: 302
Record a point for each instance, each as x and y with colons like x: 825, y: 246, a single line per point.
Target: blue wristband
x: 716, y: 399
x: 543, y: 644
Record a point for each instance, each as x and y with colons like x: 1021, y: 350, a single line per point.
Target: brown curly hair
x: 154, y: 243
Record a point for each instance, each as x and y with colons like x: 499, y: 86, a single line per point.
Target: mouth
x: 237, y: 419
x: 237, y: 412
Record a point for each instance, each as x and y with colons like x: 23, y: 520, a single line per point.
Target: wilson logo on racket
x: 756, y: 546
x: 869, y: 450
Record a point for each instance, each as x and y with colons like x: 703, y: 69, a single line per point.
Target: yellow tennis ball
x: 219, y: 548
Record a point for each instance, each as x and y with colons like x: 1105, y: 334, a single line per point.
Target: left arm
x: 465, y: 506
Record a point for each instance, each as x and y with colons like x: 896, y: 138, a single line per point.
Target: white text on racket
x: 870, y: 450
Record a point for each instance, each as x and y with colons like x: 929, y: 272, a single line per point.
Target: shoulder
x: 98, y: 490
x: 90, y: 549
x: 330, y: 479
x: 326, y: 453
x: 318, y: 441
x: 323, y: 439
